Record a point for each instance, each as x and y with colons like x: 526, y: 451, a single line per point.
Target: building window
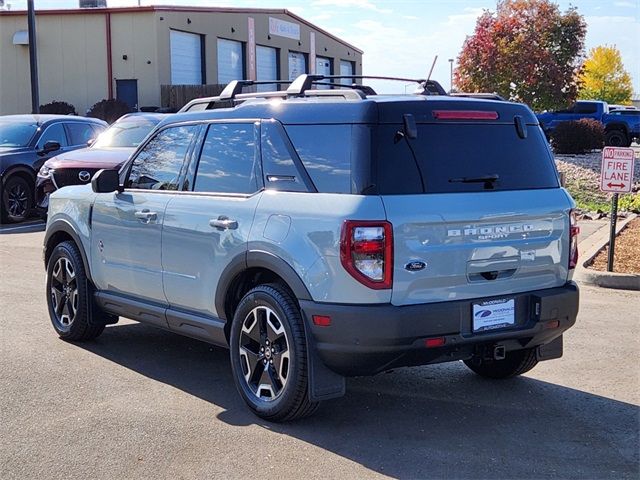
x: 230, y: 61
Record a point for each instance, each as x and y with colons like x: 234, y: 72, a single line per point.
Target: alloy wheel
x: 64, y: 292
x: 17, y: 200
x: 264, y: 353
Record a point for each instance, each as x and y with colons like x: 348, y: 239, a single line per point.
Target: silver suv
x: 323, y: 233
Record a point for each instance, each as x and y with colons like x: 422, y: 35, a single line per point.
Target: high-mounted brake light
x: 574, y: 230
x: 366, y: 252
x: 464, y: 115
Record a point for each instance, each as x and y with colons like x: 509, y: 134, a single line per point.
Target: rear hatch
x: 474, y: 201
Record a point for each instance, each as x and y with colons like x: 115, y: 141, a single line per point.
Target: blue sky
x: 401, y: 37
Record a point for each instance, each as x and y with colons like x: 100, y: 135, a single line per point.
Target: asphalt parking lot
x: 144, y: 403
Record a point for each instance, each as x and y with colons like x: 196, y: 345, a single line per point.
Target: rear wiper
x: 488, y: 180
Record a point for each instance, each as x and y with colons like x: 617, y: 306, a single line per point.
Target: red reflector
x: 434, y: 342
x: 464, y: 115
x: 368, y: 246
x: 321, y: 320
x: 552, y: 324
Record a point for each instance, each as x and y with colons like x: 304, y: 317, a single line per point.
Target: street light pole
x: 451, y: 75
x: 33, y: 57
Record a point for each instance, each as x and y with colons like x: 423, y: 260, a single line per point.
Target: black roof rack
x: 302, y: 86
x: 304, y: 82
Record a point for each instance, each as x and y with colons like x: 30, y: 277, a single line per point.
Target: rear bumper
x: 367, y: 339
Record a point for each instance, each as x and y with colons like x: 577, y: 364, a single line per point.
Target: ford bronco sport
x: 327, y: 233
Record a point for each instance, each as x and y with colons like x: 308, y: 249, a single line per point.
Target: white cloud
x: 364, y: 4
x: 625, y: 4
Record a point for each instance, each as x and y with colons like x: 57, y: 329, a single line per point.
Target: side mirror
x: 50, y: 146
x: 106, y: 181
x: 409, y: 127
x: 91, y: 142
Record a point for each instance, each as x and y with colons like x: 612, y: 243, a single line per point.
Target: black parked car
x: 110, y: 150
x: 26, y: 142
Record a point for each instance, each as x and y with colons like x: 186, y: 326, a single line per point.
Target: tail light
x: 366, y: 252
x: 574, y: 230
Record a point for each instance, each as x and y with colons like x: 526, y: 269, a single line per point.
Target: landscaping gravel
x: 582, y: 174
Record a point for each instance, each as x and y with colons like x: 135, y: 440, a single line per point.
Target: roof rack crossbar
x: 235, y: 87
x: 305, y: 81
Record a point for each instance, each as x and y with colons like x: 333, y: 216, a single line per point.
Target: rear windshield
x: 128, y: 132
x: 453, y: 158
x: 16, y: 134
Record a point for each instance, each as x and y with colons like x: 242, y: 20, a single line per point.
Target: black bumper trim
x: 367, y: 339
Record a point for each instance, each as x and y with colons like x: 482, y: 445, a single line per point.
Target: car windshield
x: 128, y: 132
x: 16, y: 134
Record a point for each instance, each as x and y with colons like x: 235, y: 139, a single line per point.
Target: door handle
x: 223, y: 223
x: 146, y: 216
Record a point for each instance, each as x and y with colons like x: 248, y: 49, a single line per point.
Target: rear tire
x: 269, y: 355
x: 515, y: 363
x: 616, y: 138
x: 17, y: 199
x: 68, y: 296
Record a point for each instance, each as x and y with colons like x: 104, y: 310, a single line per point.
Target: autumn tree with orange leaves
x: 527, y: 51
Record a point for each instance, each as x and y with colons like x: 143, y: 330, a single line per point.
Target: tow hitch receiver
x: 499, y: 352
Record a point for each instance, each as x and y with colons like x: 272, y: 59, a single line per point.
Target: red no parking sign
x: 616, y: 172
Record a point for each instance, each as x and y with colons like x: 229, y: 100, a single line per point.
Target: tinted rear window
x: 447, y: 153
x: 325, y: 151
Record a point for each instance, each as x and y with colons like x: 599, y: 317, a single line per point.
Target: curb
x: 587, y: 276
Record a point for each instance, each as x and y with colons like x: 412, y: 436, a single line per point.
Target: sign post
x: 616, y: 176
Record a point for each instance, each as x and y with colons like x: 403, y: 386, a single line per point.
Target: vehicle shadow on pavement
x: 437, y: 421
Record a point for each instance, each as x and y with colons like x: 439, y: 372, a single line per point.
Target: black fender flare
x: 64, y: 226
x: 13, y: 169
x: 258, y: 259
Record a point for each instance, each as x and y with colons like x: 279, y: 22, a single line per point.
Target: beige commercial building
x: 86, y: 55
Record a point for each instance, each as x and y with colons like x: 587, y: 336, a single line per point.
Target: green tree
x: 527, y: 51
x: 603, y: 77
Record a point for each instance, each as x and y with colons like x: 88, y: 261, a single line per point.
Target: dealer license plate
x: 494, y: 314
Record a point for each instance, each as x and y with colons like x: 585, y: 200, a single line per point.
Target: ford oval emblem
x: 415, y: 265
x: 84, y: 176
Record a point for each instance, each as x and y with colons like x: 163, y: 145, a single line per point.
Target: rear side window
x: 585, y: 108
x: 325, y: 151
x: 453, y: 158
x: 80, y: 133
x: 279, y: 160
x: 229, y: 162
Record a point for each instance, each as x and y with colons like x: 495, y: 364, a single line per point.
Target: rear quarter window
x: 325, y: 151
x: 447, y: 152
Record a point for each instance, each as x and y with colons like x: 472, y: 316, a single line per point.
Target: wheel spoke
x: 251, y: 364
x: 57, y: 299
x: 281, y: 365
x: 273, y: 326
x: 268, y: 382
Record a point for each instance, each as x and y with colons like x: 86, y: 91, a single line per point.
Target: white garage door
x: 346, y: 68
x: 230, y: 61
x: 266, y: 67
x: 297, y: 65
x: 186, y: 58
x: 323, y: 67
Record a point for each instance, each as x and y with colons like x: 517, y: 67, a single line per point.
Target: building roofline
x: 171, y: 8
